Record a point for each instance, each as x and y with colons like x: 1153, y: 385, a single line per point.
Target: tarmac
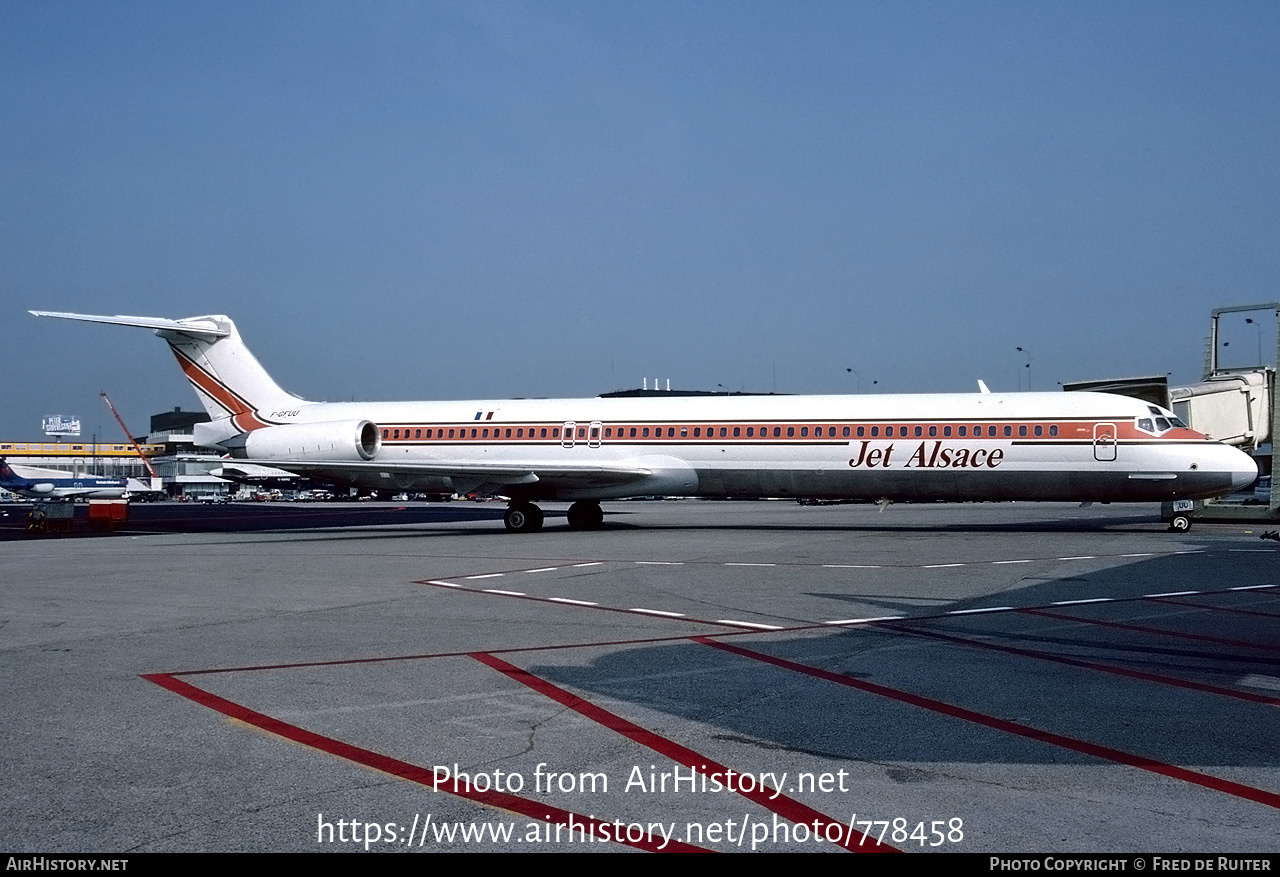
x: 1033, y: 678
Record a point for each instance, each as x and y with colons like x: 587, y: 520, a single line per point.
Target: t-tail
x: 234, y: 388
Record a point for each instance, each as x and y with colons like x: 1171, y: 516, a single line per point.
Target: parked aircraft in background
x: 979, y: 446
x: 35, y: 483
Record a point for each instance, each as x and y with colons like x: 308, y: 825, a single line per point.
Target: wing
x: 466, y: 475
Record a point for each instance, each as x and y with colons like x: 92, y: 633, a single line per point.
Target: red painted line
x: 787, y: 808
x: 403, y: 769
x: 1158, y: 631
x: 1145, y: 676
x: 1217, y: 608
x: 1217, y: 784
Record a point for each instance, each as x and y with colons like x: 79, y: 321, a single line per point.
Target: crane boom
x: 141, y: 456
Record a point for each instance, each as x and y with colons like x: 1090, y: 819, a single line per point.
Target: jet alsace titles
x: 981, y: 446
x: 54, y: 484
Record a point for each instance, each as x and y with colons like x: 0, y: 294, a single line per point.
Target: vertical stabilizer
x: 226, y: 377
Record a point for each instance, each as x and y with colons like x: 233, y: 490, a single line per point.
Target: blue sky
x: 471, y: 200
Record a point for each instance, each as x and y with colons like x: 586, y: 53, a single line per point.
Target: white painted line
x: 1171, y: 594
x: 867, y: 620
x: 505, y: 593
x: 492, y: 575
x: 593, y: 563
x: 1140, y: 554
x: 1250, y: 587
x: 574, y: 602
x: 973, y: 611
x: 1080, y: 602
x: 1002, y: 562
x: 750, y: 564
x: 544, y: 569
x: 1254, y: 680
x: 1252, y: 550
x: 1191, y: 551
x: 941, y: 565
x: 1081, y: 557
x: 658, y: 612
x: 747, y: 624
x: 848, y: 566
x: 658, y: 562
x: 446, y: 584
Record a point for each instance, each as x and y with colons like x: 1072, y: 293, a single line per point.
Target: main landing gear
x: 586, y: 515
x: 525, y: 517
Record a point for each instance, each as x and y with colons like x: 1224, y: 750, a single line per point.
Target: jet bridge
x: 1236, y: 406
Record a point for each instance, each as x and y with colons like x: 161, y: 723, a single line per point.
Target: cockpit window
x: 1159, y: 424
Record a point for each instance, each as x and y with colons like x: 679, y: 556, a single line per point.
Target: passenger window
x: 644, y: 433
x: 933, y: 431
x: 1022, y: 431
x: 804, y: 431
x: 991, y: 431
x: 737, y: 432
x: 724, y: 431
x: 697, y: 432
x: 1008, y: 430
x: 777, y: 432
x: 543, y: 435
x: 1053, y: 430
x: 751, y: 430
x: 875, y: 432
x: 1039, y: 430
x: 946, y: 432
x: 862, y: 430
x: 846, y: 431
x: 962, y: 431
x: 684, y: 432
x: 633, y: 432
x: 919, y: 431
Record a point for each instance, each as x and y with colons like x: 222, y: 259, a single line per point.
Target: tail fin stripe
x: 243, y: 414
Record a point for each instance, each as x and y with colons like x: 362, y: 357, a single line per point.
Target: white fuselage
x: 1035, y: 446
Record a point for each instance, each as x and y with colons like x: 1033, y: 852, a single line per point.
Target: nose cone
x: 1243, y: 470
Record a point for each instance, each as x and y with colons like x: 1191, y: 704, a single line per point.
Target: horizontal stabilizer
x: 201, y: 327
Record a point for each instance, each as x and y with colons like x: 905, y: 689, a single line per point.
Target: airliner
x: 979, y: 446
x: 35, y: 483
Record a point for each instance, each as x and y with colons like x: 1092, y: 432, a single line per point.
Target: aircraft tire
x: 523, y: 518
x: 1180, y: 523
x: 586, y: 515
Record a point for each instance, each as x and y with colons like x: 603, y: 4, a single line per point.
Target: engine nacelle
x: 340, y: 441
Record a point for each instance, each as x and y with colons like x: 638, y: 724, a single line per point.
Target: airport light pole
x: 1257, y: 326
x: 1027, y: 354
